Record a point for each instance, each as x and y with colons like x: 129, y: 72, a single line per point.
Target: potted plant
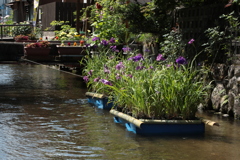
x: 38, y: 51
x: 71, y: 51
x: 25, y: 38
x: 161, y: 96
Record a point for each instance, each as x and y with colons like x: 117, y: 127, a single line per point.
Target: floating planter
x: 160, y: 127
x: 99, y: 100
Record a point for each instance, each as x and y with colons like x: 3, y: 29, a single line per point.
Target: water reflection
x: 44, y: 115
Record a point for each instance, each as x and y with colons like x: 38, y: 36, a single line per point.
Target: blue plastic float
x: 99, y: 100
x: 159, y: 127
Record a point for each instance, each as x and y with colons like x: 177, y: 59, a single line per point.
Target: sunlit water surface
x: 44, y: 115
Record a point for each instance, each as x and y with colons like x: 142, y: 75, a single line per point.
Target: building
x: 23, y: 9
x: 4, y: 11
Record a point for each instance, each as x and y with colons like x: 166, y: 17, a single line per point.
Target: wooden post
x: 20, y: 7
x: 78, y: 15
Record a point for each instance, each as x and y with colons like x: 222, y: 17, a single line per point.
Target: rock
x: 218, y: 92
x: 237, y: 107
x: 231, y: 96
x: 231, y: 71
x: 219, y: 71
x: 237, y: 71
x: 232, y: 82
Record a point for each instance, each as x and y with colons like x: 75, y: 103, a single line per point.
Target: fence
x: 194, y: 21
x: 7, y: 31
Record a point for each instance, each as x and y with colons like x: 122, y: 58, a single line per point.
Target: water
x: 44, y: 115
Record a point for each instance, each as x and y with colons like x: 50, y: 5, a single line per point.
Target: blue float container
x: 101, y: 103
x: 163, y: 128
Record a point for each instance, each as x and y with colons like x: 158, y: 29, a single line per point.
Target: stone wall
x: 225, y: 96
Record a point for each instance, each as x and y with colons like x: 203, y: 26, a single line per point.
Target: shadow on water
x: 44, y: 115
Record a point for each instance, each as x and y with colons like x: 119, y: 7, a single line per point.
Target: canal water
x: 44, y: 115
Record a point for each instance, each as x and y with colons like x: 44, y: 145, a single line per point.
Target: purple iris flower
x: 96, y: 79
x: 95, y: 46
x: 147, y: 50
x: 112, y: 40
x: 118, y: 76
x: 129, y: 75
x: 106, y: 69
x: 114, y: 48
x: 90, y: 72
x: 87, y: 45
x: 104, y: 81
x: 85, y: 78
x: 136, y: 58
x: 191, y: 41
x: 95, y: 38
x: 126, y: 49
x: 140, y: 67
x: 181, y: 60
x: 160, y: 57
x: 104, y: 42
x: 119, y: 66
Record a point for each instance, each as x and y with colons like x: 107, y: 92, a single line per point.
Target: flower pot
x: 38, y: 54
x: 71, y: 52
x: 158, y: 127
x: 99, y: 100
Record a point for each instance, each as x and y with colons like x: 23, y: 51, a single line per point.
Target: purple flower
x: 129, y: 75
x: 114, y: 48
x: 151, y: 67
x: 147, y: 50
x: 87, y: 45
x: 106, y: 69
x: 90, y: 72
x: 85, y: 78
x: 140, y: 67
x: 181, y: 60
x: 160, y: 57
x: 119, y: 66
x: 191, y: 41
x: 104, y: 81
x: 112, y: 40
x: 126, y: 49
x: 111, y: 57
x: 104, y: 42
x: 118, y: 76
x: 95, y: 38
x: 96, y: 79
x: 136, y: 58
x: 95, y: 46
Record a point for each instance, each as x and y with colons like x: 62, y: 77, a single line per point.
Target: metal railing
x: 7, y: 30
